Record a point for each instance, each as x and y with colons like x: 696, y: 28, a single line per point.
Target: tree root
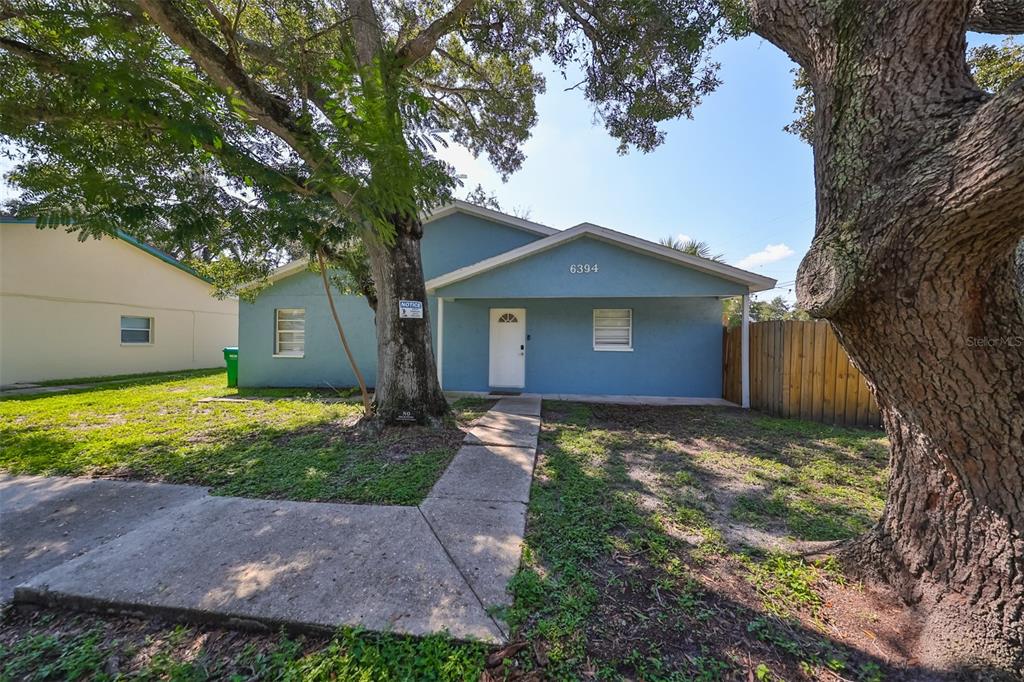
x: 956, y: 638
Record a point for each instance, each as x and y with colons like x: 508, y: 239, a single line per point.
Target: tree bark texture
x: 407, y: 388
x: 920, y: 210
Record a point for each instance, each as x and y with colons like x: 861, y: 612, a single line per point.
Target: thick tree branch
x: 788, y: 24
x: 240, y: 158
x: 424, y: 42
x: 44, y: 61
x: 366, y: 31
x: 997, y: 16
x: 988, y: 161
x: 226, y: 26
x: 270, y: 111
x: 588, y: 29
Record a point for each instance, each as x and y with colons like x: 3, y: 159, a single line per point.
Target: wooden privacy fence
x: 798, y: 369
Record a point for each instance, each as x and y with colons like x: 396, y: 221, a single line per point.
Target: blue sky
x: 731, y: 176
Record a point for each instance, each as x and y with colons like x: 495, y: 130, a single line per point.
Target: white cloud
x: 684, y: 237
x: 769, y: 254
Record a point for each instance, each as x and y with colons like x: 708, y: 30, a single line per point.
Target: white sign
x: 412, y: 309
x: 582, y: 268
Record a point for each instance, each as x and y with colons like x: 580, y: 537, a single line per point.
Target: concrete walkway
x: 178, y: 552
x: 12, y: 390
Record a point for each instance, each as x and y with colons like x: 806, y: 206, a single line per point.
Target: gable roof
x: 125, y: 237
x: 457, y: 206
x: 752, y: 281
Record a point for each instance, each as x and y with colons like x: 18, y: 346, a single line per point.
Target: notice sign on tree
x: 410, y: 309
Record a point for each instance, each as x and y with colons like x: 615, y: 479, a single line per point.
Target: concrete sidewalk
x: 47, y: 521
x: 414, y: 570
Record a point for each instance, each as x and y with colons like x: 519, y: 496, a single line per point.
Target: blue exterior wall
x: 620, y: 272
x: 459, y: 240
x: 677, y: 330
x: 677, y: 347
x: 324, y: 363
x: 448, y: 244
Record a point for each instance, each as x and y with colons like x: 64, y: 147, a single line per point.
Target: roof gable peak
x: 752, y: 281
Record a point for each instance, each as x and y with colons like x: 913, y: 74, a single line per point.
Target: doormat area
x: 505, y: 393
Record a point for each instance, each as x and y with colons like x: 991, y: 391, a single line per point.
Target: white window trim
x: 277, y: 332
x: 152, y: 324
x: 612, y: 349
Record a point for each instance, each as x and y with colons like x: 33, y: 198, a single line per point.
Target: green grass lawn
x: 278, y: 444
x: 662, y: 544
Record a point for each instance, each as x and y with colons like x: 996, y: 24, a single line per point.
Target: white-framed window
x: 136, y: 330
x: 290, y: 332
x: 613, y: 329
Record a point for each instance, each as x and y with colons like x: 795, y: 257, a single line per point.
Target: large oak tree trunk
x: 407, y: 388
x: 943, y: 345
x: 920, y: 206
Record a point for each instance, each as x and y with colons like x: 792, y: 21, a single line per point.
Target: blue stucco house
x: 517, y: 306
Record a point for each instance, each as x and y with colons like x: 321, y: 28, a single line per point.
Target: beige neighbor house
x: 100, y: 307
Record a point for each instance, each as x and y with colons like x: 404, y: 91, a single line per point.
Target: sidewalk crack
x: 458, y: 568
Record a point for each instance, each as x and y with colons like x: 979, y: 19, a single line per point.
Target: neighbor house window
x: 136, y: 329
x: 290, y: 332
x: 613, y: 329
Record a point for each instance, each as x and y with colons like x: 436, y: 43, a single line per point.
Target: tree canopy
x: 693, y: 247
x: 226, y: 121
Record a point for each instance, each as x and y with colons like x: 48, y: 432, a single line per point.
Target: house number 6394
x: 582, y: 268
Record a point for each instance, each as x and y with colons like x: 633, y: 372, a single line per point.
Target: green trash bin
x: 231, y: 359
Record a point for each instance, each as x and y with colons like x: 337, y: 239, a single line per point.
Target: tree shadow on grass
x: 617, y: 582
x: 31, y: 450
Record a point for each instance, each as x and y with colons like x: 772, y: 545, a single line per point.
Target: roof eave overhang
x: 287, y: 270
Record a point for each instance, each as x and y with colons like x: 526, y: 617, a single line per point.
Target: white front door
x: 508, y: 348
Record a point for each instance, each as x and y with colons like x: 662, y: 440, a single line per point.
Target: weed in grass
x: 870, y: 672
x: 355, y: 655
x: 466, y: 410
x: 813, y: 652
x: 786, y: 582
x: 609, y: 589
x: 705, y: 669
x: 684, y: 478
x: 48, y: 657
x: 808, y: 513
